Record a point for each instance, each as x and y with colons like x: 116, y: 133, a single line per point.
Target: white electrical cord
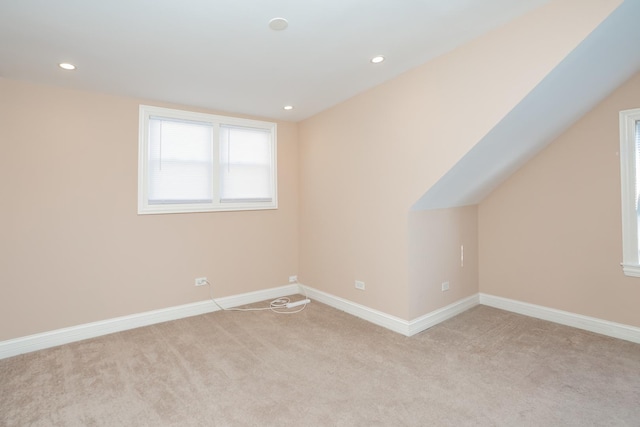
x: 280, y: 305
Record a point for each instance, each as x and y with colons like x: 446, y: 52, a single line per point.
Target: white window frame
x: 628, y: 173
x: 144, y: 207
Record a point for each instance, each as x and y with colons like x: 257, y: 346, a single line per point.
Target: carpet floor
x: 323, y: 367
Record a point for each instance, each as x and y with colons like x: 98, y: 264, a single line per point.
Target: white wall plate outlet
x: 201, y: 281
x: 359, y: 285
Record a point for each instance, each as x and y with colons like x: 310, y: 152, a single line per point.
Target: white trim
x: 58, y: 337
x: 215, y: 121
x: 592, y: 324
x: 369, y: 314
x: 628, y: 172
x: 425, y: 322
x: 257, y: 296
x: 631, y: 270
x: 401, y: 326
x: 16, y: 346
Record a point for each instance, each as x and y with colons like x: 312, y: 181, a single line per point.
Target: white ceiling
x: 221, y: 54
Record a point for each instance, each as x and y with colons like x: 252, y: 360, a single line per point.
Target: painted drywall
x: 598, y: 65
x: 443, y: 247
x: 365, y: 162
x: 73, y: 248
x: 551, y: 235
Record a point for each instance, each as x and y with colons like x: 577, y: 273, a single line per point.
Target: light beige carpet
x: 322, y: 367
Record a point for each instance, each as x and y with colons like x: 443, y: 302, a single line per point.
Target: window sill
x: 632, y: 270
x: 176, y: 209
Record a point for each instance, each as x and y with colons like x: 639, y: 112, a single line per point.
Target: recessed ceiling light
x: 67, y: 66
x: 278, y: 24
x: 377, y: 59
x: 288, y: 107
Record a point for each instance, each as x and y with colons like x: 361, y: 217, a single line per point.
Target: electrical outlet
x: 201, y: 281
x: 293, y: 279
x: 445, y: 286
x: 360, y: 285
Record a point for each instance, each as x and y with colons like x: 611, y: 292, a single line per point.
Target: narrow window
x: 630, y: 185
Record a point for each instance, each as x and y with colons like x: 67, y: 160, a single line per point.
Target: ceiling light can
x: 278, y: 24
x: 66, y: 66
x: 377, y: 59
x: 288, y: 107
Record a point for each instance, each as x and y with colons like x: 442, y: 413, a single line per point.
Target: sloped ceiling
x: 603, y: 61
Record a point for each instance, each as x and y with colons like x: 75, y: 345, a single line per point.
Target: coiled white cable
x: 279, y: 305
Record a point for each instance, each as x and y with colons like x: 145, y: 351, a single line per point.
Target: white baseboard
x: 14, y: 347
x: 423, y: 323
x: 58, y: 337
x: 257, y: 296
x: 401, y: 326
x: 604, y: 327
x: 369, y: 314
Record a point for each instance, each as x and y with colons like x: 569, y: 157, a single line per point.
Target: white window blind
x: 245, y: 164
x: 180, y: 161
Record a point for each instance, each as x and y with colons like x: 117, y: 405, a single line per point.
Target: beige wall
x: 435, y: 240
x: 73, y: 249
x: 366, y: 161
x: 551, y: 234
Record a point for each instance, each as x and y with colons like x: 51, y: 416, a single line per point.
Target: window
x: 195, y: 162
x: 630, y: 175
